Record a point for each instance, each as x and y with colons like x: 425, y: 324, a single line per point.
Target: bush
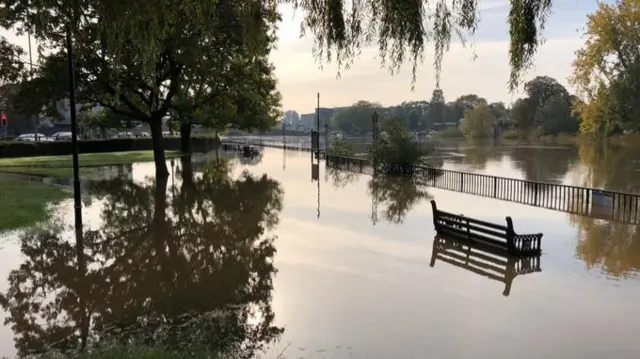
x: 511, y: 135
x: 30, y: 149
x: 451, y: 132
x: 341, y: 147
x: 396, y: 150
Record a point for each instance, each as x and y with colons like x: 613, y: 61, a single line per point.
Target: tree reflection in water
x: 611, y: 246
x: 188, y: 267
x: 340, y: 178
x: 396, y: 194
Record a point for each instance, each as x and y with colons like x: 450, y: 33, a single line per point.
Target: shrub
x: 451, y: 132
x: 511, y: 135
x: 29, y: 149
x: 396, y: 150
x: 341, y: 147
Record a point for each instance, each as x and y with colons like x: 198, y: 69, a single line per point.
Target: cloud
x: 300, y: 79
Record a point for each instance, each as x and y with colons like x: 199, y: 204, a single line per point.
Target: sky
x: 300, y: 77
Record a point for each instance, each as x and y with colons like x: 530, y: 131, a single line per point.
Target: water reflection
x: 476, y: 155
x: 340, y: 178
x: 612, y: 247
x: 488, y: 261
x: 394, y: 196
x: 544, y: 164
x: 610, y: 166
x: 186, y: 265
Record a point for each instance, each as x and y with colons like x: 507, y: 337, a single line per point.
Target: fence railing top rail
x: 422, y: 167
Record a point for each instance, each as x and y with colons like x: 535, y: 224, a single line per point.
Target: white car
x: 31, y: 137
x: 125, y: 135
x: 61, y: 136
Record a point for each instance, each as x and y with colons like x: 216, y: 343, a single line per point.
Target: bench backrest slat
x: 440, y: 214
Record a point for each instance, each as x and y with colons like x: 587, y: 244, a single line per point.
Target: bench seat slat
x: 462, y: 233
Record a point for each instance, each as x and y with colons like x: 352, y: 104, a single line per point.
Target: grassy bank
x: 138, y: 352
x: 24, y: 203
x: 62, y: 166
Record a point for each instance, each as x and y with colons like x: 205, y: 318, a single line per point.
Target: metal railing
x: 610, y: 205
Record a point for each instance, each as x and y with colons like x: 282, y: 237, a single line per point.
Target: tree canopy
x: 606, y: 69
x: 478, y: 122
x: 137, y: 58
x: 356, y: 118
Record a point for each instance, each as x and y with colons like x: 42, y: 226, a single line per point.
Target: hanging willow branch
x: 401, y: 28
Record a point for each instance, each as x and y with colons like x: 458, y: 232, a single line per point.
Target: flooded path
x: 340, y: 268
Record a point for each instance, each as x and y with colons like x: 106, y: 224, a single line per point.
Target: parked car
x: 143, y: 135
x: 61, y: 136
x: 125, y: 135
x: 31, y: 137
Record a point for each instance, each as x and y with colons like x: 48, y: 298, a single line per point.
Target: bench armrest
x: 528, y: 243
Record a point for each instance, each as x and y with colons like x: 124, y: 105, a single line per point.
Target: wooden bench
x: 491, y: 234
x: 486, y: 260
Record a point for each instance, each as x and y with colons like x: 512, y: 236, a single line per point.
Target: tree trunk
x: 187, y: 173
x: 158, y: 148
x: 185, y: 137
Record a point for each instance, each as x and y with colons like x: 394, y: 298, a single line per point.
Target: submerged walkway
x: 592, y: 202
x: 609, y: 205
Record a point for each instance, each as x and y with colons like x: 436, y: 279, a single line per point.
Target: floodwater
x: 255, y: 258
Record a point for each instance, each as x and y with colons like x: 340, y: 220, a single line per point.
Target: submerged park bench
x: 483, y: 259
x: 496, y: 235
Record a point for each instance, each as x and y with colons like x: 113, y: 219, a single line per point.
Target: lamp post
x: 374, y: 122
x: 77, y: 199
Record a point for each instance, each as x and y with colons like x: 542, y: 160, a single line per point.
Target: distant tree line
x: 606, y: 75
x: 545, y: 110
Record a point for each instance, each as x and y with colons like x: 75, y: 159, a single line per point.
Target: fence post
x: 495, y: 186
x: 461, y: 182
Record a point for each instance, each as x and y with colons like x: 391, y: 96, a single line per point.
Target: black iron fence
x: 610, y: 205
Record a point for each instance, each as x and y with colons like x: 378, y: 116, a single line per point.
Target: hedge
x: 29, y: 149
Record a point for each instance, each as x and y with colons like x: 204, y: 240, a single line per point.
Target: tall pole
x: 77, y: 200
x: 318, y: 125
x: 30, y: 58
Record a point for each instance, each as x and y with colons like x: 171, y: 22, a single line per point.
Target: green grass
x: 62, y: 166
x: 25, y: 203
x: 136, y: 352
x: 60, y: 172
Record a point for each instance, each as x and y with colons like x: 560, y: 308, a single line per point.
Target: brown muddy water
x: 340, y: 268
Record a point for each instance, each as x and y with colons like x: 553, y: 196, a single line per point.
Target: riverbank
x: 62, y: 166
x: 137, y: 352
x: 514, y: 138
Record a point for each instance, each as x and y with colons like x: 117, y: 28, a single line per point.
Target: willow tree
x: 403, y: 28
x: 133, y: 57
